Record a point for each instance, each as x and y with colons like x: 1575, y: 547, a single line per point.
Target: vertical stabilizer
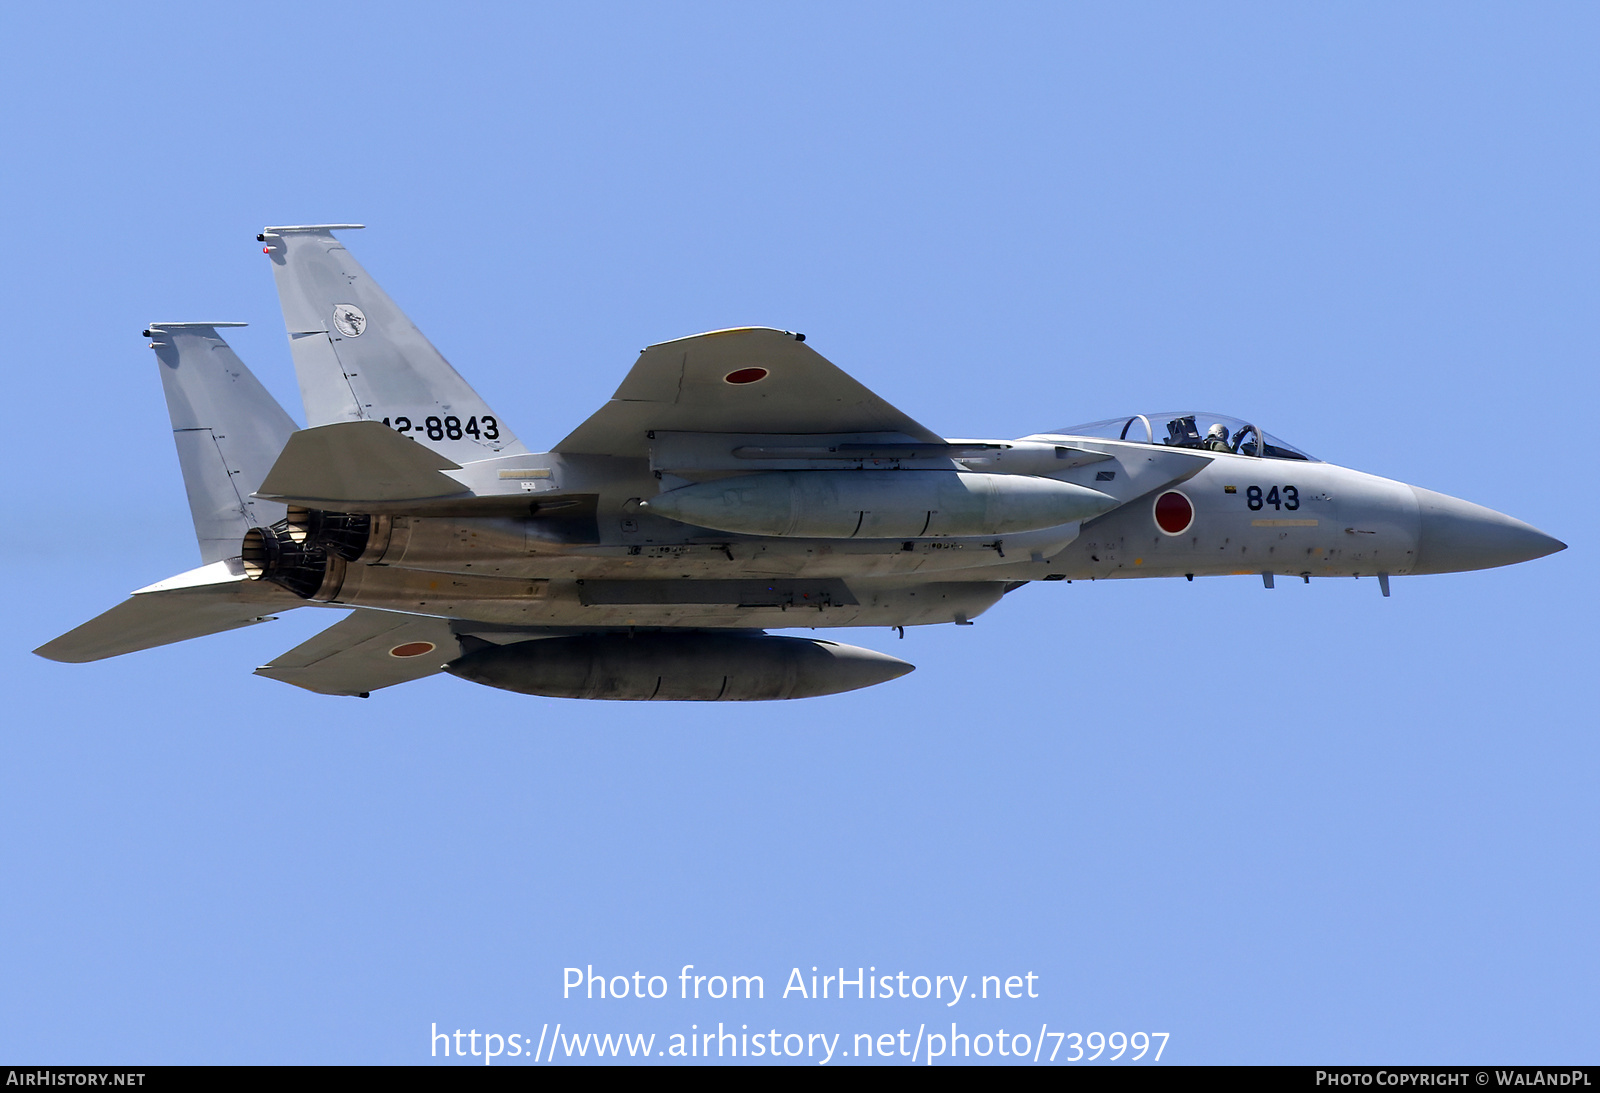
x: 228, y: 430
x: 358, y: 357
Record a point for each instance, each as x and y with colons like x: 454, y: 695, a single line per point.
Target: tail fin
x: 228, y: 430
x: 358, y: 357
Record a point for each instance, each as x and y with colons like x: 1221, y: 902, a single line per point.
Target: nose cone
x: 1457, y: 535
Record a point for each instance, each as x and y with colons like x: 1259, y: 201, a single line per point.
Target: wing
x: 366, y: 651
x: 203, y: 601
x: 750, y: 380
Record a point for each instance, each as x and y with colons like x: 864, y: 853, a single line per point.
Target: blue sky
x: 1307, y: 825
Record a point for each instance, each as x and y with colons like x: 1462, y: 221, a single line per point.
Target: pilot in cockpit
x: 1217, y: 438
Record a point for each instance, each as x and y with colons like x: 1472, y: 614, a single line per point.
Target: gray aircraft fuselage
x: 1228, y: 514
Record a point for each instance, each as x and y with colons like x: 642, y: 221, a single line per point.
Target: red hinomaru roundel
x: 412, y: 649
x: 1173, y: 513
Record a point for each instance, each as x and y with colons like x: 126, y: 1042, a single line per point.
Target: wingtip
x: 152, y: 329
x: 282, y: 228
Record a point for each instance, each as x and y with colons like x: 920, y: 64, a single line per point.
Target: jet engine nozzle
x: 346, y: 534
x: 272, y: 554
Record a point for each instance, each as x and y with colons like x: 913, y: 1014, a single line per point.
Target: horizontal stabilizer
x: 342, y: 465
x: 203, y: 601
x: 750, y: 380
x: 368, y: 650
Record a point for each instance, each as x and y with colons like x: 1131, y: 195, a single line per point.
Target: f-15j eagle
x: 736, y: 482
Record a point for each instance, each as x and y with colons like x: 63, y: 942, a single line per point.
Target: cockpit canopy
x: 1191, y: 429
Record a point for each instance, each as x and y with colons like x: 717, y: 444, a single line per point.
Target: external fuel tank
x: 880, y: 504
x: 677, y: 666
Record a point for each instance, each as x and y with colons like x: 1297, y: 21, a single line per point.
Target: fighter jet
x: 736, y: 483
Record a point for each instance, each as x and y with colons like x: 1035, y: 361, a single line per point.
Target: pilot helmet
x: 1218, y: 430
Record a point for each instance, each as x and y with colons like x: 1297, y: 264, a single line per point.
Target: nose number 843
x: 1280, y: 497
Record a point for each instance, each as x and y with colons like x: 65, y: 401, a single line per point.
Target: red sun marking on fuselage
x: 1174, y: 513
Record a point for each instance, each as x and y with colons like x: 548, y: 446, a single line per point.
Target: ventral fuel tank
x: 880, y: 504
x: 694, y: 666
